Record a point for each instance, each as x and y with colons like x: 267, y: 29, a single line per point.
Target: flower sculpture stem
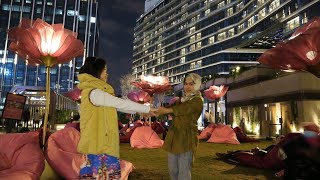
x: 49, y: 61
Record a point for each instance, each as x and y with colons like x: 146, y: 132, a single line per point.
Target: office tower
x: 208, y: 37
x: 77, y: 15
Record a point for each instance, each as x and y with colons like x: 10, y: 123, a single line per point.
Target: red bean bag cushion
x: 242, y: 137
x: 158, y: 128
x: 63, y: 157
x: 23, y: 153
x: 268, y: 161
x: 145, y: 137
x: 223, y: 134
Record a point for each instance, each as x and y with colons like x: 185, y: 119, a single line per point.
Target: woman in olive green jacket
x: 181, y: 141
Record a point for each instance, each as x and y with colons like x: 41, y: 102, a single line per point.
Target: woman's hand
x: 163, y: 110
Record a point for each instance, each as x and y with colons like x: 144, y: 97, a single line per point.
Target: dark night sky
x: 117, y: 20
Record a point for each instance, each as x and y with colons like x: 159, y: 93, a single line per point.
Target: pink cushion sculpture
x: 75, y: 125
x: 62, y: 153
x: 223, y: 134
x: 206, y: 133
x: 23, y: 152
x: 145, y: 137
x: 63, y: 157
x: 126, y: 138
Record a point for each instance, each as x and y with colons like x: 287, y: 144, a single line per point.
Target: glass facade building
x: 174, y: 37
x: 77, y: 15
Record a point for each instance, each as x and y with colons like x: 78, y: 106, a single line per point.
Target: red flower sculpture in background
x: 215, y: 92
x: 153, y: 84
x: 301, y: 52
x: 139, y: 97
x: 35, y: 41
x: 313, y: 23
x: 74, y: 94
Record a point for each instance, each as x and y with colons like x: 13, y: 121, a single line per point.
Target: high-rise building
x: 77, y: 15
x: 174, y: 37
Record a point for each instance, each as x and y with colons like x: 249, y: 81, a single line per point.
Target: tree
x: 125, y: 84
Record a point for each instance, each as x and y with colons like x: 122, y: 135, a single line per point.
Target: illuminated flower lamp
x: 215, y: 93
x: 153, y: 85
x: 300, y: 53
x: 141, y: 97
x: 47, y: 44
x: 74, y: 94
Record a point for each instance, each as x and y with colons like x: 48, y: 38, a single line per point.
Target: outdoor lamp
x: 41, y: 43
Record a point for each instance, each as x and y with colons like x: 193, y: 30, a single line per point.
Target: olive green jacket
x: 182, y: 135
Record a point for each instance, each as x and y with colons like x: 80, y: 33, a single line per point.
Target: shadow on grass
x: 247, y: 170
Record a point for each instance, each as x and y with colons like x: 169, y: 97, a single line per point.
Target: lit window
x: 274, y: 5
x: 262, y: 13
x: 182, y: 60
x: 199, y: 36
x: 241, y: 27
x: 221, y: 36
x: 231, y: 32
x: 230, y: 11
x: 93, y: 19
x: 192, y: 30
x: 192, y: 39
x: 220, y: 5
x: 207, y: 12
x: 192, y: 47
x: 292, y: 24
x: 198, y: 64
x: 198, y: 45
x: 192, y: 65
x: 182, y: 51
x: 251, y: 21
x: 211, y: 40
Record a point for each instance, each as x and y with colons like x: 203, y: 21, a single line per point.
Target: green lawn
x: 152, y: 163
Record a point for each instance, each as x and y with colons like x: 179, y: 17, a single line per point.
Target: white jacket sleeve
x: 101, y: 98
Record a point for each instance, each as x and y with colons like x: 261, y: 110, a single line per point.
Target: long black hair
x: 93, y: 66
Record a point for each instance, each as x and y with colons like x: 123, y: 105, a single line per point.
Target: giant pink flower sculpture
x: 44, y: 43
x: 139, y: 97
x: 153, y: 84
x: 301, y: 52
x: 215, y: 92
x: 39, y: 42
